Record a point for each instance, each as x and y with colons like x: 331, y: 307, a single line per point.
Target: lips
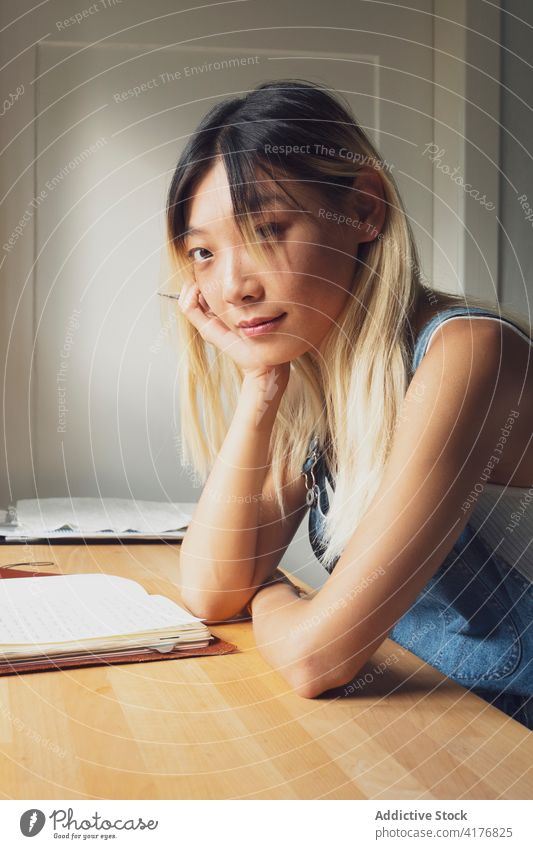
x: 260, y: 320
x: 263, y: 326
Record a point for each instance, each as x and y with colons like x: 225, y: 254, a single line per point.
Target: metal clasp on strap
x: 313, y: 490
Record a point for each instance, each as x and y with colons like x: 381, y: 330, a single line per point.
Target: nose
x: 240, y: 280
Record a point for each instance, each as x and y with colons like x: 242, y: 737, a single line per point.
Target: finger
x: 203, y: 303
x: 211, y: 328
x: 186, y: 297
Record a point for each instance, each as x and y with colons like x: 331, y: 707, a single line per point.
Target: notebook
x: 95, y: 518
x: 50, y: 621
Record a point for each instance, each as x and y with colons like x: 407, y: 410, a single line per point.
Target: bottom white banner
x: 256, y: 823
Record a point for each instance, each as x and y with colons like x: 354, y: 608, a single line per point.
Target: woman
x: 282, y: 215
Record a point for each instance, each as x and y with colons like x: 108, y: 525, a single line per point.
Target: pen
x: 166, y: 295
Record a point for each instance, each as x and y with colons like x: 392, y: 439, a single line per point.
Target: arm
x: 455, y: 406
x: 236, y: 537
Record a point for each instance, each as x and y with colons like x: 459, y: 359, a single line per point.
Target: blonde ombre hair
x: 351, y: 395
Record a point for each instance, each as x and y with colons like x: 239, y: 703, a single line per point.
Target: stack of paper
x: 96, y: 518
x: 65, y: 615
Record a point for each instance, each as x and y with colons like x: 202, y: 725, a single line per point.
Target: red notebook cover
x: 46, y: 664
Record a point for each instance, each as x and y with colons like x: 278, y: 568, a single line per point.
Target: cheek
x: 320, y: 297
x: 324, y: 278
x: 324, y: 310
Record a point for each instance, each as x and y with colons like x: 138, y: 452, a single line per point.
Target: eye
x: 195, y: 259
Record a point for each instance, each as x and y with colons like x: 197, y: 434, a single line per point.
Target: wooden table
x: 228, y: 727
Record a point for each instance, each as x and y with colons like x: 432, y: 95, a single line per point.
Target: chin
x: 278, y: 353
x: 292, y: 354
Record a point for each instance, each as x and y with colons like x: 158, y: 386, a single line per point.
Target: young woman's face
x: 307, y: 280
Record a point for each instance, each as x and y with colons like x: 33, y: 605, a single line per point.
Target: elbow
x: 307, y: 685
x: 211, y: 606
x: 308, y: 669
x: 311, y: 686
x: 310, y: 677
x: 315, y: 674
x: 307, y: 689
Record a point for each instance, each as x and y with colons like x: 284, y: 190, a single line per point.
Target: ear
x: 369, y: 203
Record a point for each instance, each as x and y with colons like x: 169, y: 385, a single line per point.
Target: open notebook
x: 71, y: 615
x: 95, y: 518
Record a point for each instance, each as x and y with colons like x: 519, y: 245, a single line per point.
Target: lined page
x: 68, y: 608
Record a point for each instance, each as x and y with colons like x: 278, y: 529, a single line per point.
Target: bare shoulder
x: 482, y: 349
x: 482, y: 336
x: 480, y: 372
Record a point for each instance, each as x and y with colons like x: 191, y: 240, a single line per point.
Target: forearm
x: 219, y: 548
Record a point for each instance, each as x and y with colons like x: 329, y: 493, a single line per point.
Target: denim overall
x: 473, y: 620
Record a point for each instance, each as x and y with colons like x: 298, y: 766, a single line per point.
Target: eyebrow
x: 256, y: 205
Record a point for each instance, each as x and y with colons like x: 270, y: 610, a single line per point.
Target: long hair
x: 350, y: 396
